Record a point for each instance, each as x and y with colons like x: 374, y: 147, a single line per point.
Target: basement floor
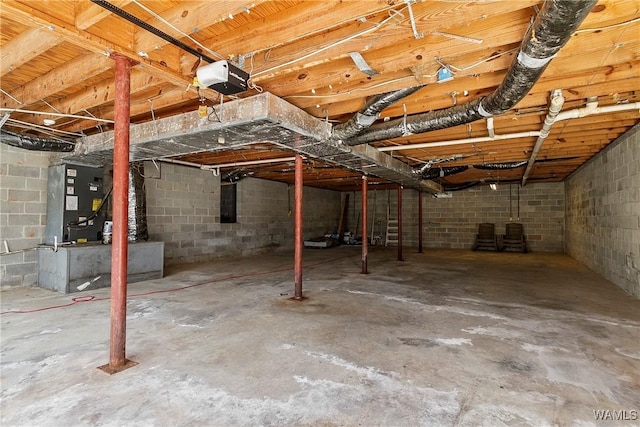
x: 448, y: 337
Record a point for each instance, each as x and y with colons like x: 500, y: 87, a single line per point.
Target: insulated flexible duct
x: 500, y: 166
x: 459, y: 187
x: 34, y: 143
x: 137, y: 209
x: 442, y: 172
x: 551, y: 30
x: 370, y: 112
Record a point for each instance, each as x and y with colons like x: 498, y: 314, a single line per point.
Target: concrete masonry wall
x: 183, y: 208
x: 23, y: 208
x: 603, y: 213
x: 453, y: 222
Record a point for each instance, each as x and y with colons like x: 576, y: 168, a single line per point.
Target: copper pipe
x: 400, y: 223
x: 297, y: 234
x: 419, y: 222
x: 365, y: 247
x: 119, y: 248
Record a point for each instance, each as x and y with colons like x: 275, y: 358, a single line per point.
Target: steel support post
x: 298, y: 242
x: 419, y: 222
x: 365, y: 245
x: 400, y: 223
x: 117, y: 341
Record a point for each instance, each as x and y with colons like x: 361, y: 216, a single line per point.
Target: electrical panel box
x: 75, y: 204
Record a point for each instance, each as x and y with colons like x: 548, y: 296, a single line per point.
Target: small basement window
x: 228, y: 211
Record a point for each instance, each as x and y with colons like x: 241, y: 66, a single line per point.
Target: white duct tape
x: 531, y: 62
x: 363, y: 120
x: 483, y: 112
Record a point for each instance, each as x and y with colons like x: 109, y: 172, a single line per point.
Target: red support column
x: 298, y: 242
x: 365, y: 246
x: 400, y: 223
x: 117, y: 359
x: 419, y: 222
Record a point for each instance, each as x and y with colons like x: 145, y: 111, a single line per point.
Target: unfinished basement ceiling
x: 54, y: 60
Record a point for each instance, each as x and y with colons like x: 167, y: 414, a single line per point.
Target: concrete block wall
x: 183, y: 210
x: 453, y: 222
x: 23, y: 209
x: 603, y: 213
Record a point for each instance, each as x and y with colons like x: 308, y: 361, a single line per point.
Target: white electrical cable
x: 26, y: 125
x: 327, y: 47
x: 9, y: 95
x: 358, y: 89
x: 73, y: 116
x: 160, y: 18
x: 606, y: 27
x: 468, y: 67
x: 51, y: 106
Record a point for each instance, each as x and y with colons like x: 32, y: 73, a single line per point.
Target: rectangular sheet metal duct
x: 263, y: 118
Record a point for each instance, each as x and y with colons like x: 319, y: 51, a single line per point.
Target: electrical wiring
x: 606, y: 27
x: 91, y: 298
x: 74, y: 225
x: 490, y: 58
x: 46, y: 130
x: 331, y: 45
x: 75, y: 300
x: 358, y: 89
x: 74, y: 116
x: 51, y: 106
x: 161, y: 19
x: 11, y: 97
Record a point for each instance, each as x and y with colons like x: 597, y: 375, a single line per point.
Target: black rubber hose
x: 34, y: 143
x: 550, y: 31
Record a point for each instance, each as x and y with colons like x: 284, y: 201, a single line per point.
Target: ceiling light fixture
x: 493, y: 186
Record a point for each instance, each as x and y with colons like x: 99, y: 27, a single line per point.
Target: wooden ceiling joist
x: 56, y: 58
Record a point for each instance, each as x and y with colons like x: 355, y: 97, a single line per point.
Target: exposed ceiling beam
x: 88, y: 14
x: 188, y: 17
x: 26, y: 46
x: 29, y: 15
x: 59, y: 79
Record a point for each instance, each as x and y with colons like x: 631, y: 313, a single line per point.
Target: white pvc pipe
x: 530, y: 134
x: 592, y: 108
x: 248, y: 163
x: 557, y: 101
x: 564, y: 115
x: 228, y: 165
x: 490, y: 129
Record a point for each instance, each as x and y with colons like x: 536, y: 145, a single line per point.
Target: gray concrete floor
x: 447, y: 337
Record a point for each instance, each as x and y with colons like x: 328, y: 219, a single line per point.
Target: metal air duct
x: 34, y: 143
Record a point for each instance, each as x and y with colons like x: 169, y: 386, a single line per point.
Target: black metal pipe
x: 153, y: 30
x: 34, y: 143
x: 370, y: 112
x: 551, y: 30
